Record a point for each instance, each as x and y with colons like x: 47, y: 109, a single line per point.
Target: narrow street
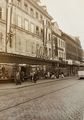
x: 56, y: 100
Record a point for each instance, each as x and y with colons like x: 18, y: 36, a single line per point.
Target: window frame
x: 18, y: 23
x: 25, y: 5
x: 25, y: 20
x: 19, y: 3
x: 0, y: 12
x: 32, y: 31
x: 32, y: 11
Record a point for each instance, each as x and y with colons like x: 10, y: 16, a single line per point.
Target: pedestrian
x: 48, y: 74
x: 35, y: 77
x: 17, y: 78
x: 32, y: 75
x: 62, y: 75
x: 22, y: 76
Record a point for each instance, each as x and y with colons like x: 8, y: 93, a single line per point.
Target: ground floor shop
x: 10, y: 63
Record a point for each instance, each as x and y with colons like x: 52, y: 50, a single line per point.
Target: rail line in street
x: 40, y: 96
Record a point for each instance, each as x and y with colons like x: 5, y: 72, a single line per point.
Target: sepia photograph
x: 41, y: 60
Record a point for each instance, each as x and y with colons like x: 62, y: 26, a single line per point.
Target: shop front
x: 9, y: 63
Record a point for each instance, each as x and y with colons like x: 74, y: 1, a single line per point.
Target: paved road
x: 56, y: 100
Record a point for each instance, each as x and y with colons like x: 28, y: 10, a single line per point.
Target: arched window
x: 0, y: 12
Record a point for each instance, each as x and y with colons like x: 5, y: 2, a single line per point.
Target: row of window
x: 27, y: 8
x: 71, y: 48
x: 30, y: 26
x: 31, y: 48
x: 61, y: 54
x: 61, y: 43
x: 33, y: 12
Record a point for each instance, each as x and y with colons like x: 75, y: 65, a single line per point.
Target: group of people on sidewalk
x: 34, y: 76
x: 20, y: 75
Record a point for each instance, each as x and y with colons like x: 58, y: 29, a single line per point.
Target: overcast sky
x: 69, y: 15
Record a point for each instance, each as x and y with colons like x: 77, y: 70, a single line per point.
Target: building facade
x: 73, y: 52
x: 28, y: 37
x: 28, y: 28
x: 59, y: 48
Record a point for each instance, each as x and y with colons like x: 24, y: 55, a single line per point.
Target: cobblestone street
x: 56, y: 100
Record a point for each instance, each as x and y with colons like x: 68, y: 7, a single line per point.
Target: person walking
x: 35, y: 77
x: 22, y: 76
x: 17, y: 78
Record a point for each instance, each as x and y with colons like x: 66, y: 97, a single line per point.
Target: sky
x: 69, y: 14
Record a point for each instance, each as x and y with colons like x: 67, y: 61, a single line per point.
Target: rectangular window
x: 19, y: 3
x: 0, y: 13
x: 32, y: 28
x: 48, y: 23
x: 49, y: 53
x: 42, y: 33
x: 26, y: 25
x: 18, y: 44
x: 37, y: 30
x: 41, y: 17
x: 28, y: 46
x: 19, y: 21
x: 49, y: 36
x: 1, y: 37
x: 26, y: 6
x: 59, y: 42
x: 37, y: 16
x: 63, y: 44
x: 33, y: 48
x: 31, y: 12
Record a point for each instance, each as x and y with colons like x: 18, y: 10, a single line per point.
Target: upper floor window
x: 0, y: 12
x: 33, y: 47
x: 49, y: 36
x: 59, y: 42
x: 37, y: 30
x: 19, y: 21
x: 42, y: 33
x: 26, y: 25
x: 48, y: 23
x: 19, y: 3
x: 37, y: 16
x: 31, y: 11
x: 1, y: 37
x: 63, y: 44
x: 41, y: 17
x: 26, y: 6
x: 32, y: 28
x: 50, y: 53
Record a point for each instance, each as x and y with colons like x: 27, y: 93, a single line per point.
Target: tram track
x: 37, y: 97
x: 20, y: 89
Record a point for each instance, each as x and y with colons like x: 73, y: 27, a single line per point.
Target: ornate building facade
x: 29, y: 37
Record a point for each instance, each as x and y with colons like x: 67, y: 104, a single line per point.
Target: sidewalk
x: 6, y: 86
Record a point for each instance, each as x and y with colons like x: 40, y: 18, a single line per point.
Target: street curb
x: 38, y: 82
x: 49, y: 81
